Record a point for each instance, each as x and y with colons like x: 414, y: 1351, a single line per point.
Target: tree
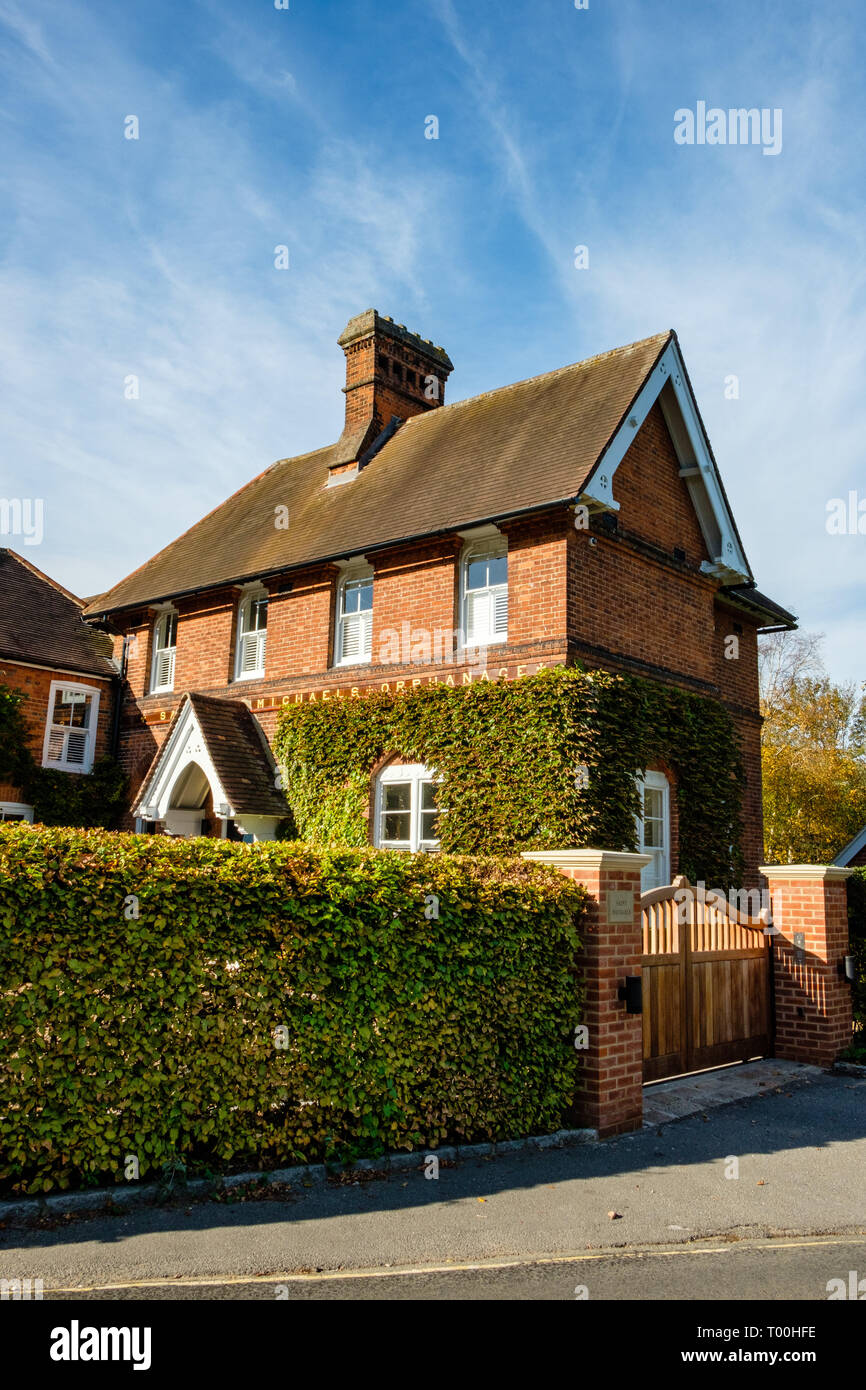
x: 16, y: 761
x: 813, y: 753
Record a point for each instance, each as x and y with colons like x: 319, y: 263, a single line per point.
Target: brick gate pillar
x: 813, y: 999
x: 609, y: 1097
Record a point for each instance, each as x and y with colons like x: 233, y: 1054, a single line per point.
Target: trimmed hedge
x: 507, y: 753
x: 156, y: 1035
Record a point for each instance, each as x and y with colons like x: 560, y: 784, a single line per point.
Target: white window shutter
x: 500, y: 622
x: 165, y: 668
x: 353, y: 636
x: 477, y: 616
x: 55, y: 745
x: 366, y: 635
x: 76, y: 747
x: 252, y: 653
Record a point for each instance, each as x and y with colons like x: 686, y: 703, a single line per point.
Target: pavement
x: 785, y: 1163
x: 692, y: 1095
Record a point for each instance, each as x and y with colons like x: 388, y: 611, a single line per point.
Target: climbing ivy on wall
x: 508, y: 755
x: 57, y: 798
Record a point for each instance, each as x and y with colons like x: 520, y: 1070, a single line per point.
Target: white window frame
x: 250, y: 596
x: 417, y: 775
x: 353, y: 575
x: 657, y: 873
x: 15, y: 808
x: 87, y: 764
x: 493, y: 547
x: 163, y: 616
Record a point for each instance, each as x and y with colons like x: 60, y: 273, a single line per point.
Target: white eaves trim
x: 667, y: 383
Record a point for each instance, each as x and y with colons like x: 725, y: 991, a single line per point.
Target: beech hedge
x: 220, y: 1006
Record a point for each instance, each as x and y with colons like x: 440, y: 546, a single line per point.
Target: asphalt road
x: 802, y: 1171
x: 752, y: 1272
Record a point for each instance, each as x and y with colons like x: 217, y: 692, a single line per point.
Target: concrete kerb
x: 304, y: 1175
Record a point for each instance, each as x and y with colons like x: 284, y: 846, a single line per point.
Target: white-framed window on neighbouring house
x: 405, y: 808
x: 15, y: 810
x: 354, y: 642
x: 70, y: 733
x: 164, y: 648
x: 484, y: 585
x: 654, y: 827
x: 252, y: 635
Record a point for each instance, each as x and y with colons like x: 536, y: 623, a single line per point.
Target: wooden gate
x: 706, y: 982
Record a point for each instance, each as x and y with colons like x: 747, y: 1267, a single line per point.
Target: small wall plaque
x: 620, y: 907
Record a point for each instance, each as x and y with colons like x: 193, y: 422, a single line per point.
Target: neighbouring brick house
x: 64, y: 669
x: 575, y: 516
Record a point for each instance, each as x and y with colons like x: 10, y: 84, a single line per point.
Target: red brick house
x: 575, y: 516
x: 64, y: 669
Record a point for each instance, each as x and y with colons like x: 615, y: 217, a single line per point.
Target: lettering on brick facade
x: 327, y: 694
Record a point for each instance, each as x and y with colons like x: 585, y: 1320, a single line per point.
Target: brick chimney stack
x: 390, y: 374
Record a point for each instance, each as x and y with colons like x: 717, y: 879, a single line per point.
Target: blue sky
x: 262, y: 127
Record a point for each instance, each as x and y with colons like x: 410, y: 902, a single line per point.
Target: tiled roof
x: 238, y: 750
x: 511, y: 450
x: 42, y: 622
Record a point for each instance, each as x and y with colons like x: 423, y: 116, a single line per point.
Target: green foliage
x: 69, y: 798
x: 813, y: 752
x: 857, y: 931
x: 15, y: 759
x: 507, y: 754
x: 57, y: 798
x: 155, y: 1034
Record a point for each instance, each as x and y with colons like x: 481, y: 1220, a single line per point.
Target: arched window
x: 354, y: 640
x: 252, y: 635
x: 406, y: 808
x: 485, y: 593
x: 164, y: 648
x: 654, y: 837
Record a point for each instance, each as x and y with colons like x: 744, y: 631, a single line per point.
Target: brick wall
x: 205, y: 641
x: 415, y: 586
x: 654, y: 501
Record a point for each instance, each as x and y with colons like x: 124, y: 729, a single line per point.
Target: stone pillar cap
x: 819, y: 871
x: 588, y: 858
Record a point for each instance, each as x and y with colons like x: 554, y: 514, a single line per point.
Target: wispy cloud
x: 26, y: 30
x: 165, y: 272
